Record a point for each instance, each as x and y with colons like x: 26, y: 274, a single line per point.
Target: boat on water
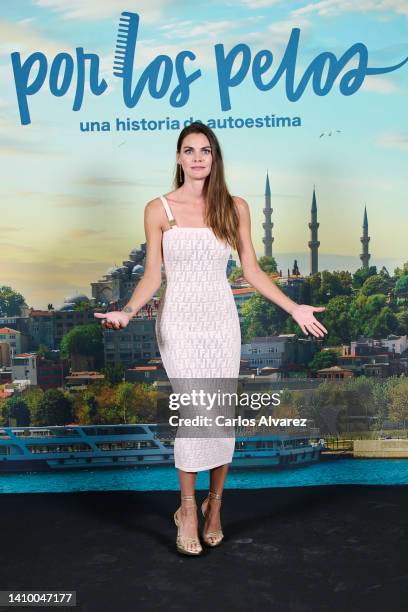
x: 53, y: 448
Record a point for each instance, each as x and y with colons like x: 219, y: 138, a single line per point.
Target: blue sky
x: 72, y: 202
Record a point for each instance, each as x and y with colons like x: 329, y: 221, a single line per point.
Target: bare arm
x: 151, y: 280
x: 252, y: 272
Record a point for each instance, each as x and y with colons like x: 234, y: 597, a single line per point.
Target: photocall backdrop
x: 308, y: 100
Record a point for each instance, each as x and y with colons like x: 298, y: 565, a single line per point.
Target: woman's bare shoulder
x: 154, y: 212
x: 154, y: 204
x: 240, y: 204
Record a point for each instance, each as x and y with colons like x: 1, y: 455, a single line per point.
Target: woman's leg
x: 187, y: 482
x: 188, y: 511
x: 217, y: 481
x: 217, y: 478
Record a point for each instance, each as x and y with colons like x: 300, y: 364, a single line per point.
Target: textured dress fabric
x: 198, y: 331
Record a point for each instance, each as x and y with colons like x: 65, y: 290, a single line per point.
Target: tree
x: 124, y: 398
x: 401, y: 286
x: 54, y: 408
x: 334, y: 284
x: 402, y: 318
x: 235, y: 273
x: 268, y: 264
x: 91, y: 404
x: 381, y: 400
x: 376, y: 284
x: 291, y: 403
x: 383, y: 324
x: 32, y: 396
x: 83, y: 340
x: 137, y: 403
x: 97, y: 405
x: 401, y: 271
x: 362, y: 404
x: 10, y: 301
x: 114, y: 373
x: 336, y: 319
x: 16, y: 410
x: 145, y: 405
x: 321, y: 287
x: 324, y: 359
x: 261, y: 317
x: 327, y: 407
x: 399, y: 401
x: 374, y: 304
x: 361, y: 275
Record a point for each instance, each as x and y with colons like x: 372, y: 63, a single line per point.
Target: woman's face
x: 195, y: 156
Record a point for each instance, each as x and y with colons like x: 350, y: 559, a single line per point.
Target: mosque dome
x: 112, y: 270
x: 65, y: 306
x: 135, y: 253
x: 75, y: 299
x: 138, y: 269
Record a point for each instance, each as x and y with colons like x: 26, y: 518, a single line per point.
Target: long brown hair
x: 221, y: 214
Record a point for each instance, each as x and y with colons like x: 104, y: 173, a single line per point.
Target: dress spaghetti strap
x: 169, y: 214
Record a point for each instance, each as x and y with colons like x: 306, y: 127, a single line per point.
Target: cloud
x: 275, y: 195
x: 83, y: 232
x: 97, y: 10
x: 201, y: 37
x: 18, y: 149
x: 15, y: 143
x: 260, y: 3
x: 71, y: 200
x: 332, y: 8
x: 281, y: 30
x: 63, y: 200
x: 209, y: 29
x: 379, y: 84
x: 11, y: 249
x: 393, y: 140
x: 6, y: 229
x: 108, y: 181
x: 24, y: 37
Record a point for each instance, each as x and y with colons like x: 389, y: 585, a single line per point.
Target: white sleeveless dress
x: 198, y: 332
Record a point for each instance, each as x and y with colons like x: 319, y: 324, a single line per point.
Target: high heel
x: 182, y: 541
x: 216, y: 536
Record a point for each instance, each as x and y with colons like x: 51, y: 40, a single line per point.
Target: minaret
x: 365, y: 239
x: 268, y: 225
x: 313, y: 242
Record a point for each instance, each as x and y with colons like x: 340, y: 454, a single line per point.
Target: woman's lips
x: 197, y: 167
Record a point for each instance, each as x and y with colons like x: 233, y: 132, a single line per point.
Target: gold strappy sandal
x: 216, y: 536
x: 183, y: 541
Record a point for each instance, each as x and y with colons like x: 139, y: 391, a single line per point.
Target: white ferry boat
x: 36, y: 449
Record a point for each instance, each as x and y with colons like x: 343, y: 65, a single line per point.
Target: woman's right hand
x: 117, y: 319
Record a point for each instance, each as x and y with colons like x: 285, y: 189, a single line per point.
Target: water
x: 340, y: 471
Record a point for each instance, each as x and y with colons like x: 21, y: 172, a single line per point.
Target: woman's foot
x: 211, y: 506
x: 185, y: 518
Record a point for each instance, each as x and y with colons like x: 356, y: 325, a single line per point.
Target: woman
x: 193, y: 229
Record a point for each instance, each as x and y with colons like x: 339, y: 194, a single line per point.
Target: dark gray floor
x: 296, y: 549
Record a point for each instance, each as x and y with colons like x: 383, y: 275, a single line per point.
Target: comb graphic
x: 125, y: 44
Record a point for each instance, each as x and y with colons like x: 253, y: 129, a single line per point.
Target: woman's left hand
x: 303, y: 315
